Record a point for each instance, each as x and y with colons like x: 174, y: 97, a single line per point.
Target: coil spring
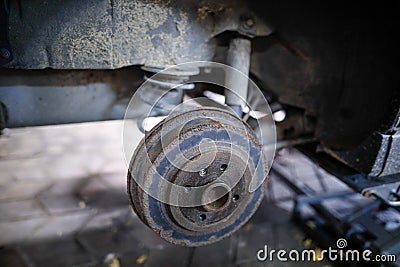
x: 163, y: 91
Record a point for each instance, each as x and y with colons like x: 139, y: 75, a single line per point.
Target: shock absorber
x: 238, y: 58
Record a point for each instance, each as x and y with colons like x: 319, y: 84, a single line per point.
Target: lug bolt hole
x: 202, y: 217
x: 223, y: 167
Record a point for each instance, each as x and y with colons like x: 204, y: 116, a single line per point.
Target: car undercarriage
x: 217, y: 88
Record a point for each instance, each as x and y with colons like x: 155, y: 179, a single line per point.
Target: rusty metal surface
x: 210, y: 222
x: 112, y: 34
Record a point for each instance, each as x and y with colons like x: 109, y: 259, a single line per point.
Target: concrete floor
x: 63, y: 202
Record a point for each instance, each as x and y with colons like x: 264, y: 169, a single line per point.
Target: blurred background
x: 63, y: 202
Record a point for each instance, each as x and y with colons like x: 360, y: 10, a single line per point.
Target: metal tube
x: 238, y: 58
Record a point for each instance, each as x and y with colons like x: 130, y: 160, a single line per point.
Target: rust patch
x: 204, y: 11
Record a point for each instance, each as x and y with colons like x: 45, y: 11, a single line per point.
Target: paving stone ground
x: 63, y: 202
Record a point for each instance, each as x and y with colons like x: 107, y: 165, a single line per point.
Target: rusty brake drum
x: 197, y: 176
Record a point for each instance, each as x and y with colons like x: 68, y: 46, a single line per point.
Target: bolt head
x: 203, y: 172
x: 249, y: 22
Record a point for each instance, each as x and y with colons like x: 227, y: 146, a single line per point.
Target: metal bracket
x: 383, y: 188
